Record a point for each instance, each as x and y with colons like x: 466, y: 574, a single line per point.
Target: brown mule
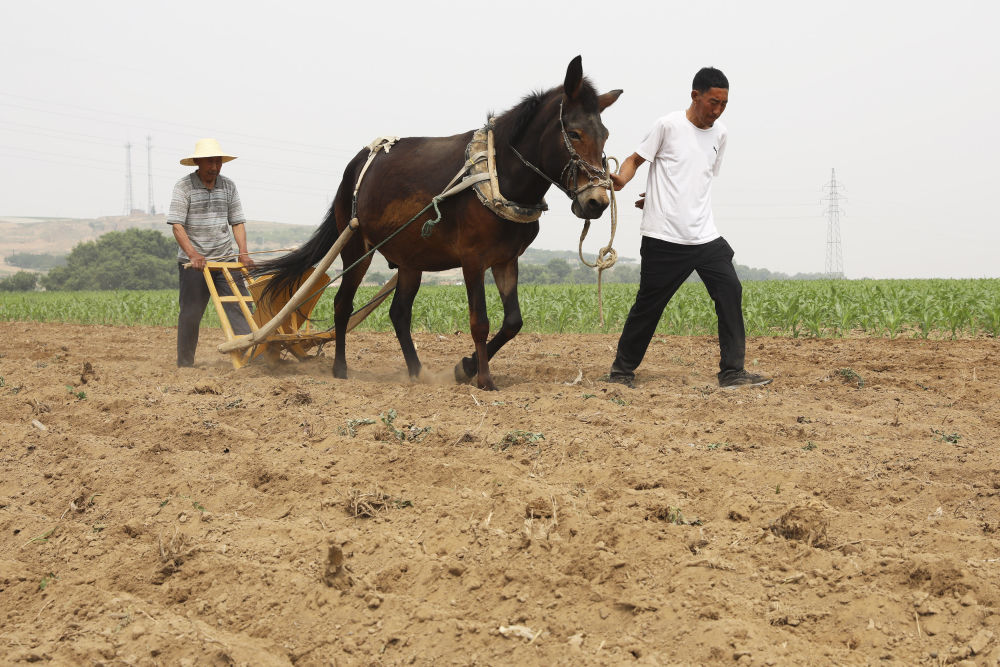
x: 553, y: 137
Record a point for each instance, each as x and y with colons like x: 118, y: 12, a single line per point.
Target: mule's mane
x: 511, y: 123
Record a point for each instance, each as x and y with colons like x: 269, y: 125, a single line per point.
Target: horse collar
x: 480, y: 157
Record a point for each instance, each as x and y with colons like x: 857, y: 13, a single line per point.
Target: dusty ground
x: 150, y: 515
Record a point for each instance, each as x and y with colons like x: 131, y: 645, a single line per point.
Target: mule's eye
x: 573, y: 134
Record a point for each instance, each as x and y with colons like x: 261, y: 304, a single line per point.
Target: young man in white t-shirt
x: 685, y: 150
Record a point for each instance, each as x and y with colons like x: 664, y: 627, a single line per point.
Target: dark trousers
x: 665, y: 267
x: 194, y: 297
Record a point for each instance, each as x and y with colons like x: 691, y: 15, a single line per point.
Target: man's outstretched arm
x: 627, y: 171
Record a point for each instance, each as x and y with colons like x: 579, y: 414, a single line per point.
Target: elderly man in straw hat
x: 203, y: 208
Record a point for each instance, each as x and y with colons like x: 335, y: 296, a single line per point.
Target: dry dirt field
x: 206, y: 516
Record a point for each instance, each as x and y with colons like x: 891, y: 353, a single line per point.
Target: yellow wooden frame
x: 295, y: 334
x: 289, y: 336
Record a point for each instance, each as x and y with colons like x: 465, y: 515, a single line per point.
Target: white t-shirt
x: 683, y: 159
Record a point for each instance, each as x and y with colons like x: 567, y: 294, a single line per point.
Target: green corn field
x: 940, y: 309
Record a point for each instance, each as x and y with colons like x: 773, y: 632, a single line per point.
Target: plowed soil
x: 149, y: 515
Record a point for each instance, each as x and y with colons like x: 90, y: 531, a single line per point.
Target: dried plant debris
x: 805, y: 523
x: 673, y: 515
x: 366, y: 505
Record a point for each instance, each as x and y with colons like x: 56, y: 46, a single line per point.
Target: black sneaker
x: 743, y: 379
x: 622, y: 379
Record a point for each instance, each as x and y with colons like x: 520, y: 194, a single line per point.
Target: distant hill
x: 45, y: 240
x: 50, y: 238
x: 58, y: 236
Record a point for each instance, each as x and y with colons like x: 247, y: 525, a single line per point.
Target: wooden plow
x: 280, y: 322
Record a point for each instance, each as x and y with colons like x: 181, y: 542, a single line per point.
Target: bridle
x: 597, y: 177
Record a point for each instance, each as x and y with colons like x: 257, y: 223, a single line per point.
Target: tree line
x: 134, y: 259
x: 144, y: 259
x: 36, y: 261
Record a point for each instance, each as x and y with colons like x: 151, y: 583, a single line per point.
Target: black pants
x: 194, y: 297
x: 665, y: 267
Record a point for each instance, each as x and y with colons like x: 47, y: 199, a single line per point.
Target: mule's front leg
x: 479, y: 326
x: 505, y: 276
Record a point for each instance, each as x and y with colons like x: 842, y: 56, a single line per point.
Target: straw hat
x: 206, y: 148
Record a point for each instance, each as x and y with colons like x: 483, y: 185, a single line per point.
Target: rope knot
x: 428, y: 227
x: 606, y: 258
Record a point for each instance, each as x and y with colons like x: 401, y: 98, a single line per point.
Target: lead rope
x: 607, y: 257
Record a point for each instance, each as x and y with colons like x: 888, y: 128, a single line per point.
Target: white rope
x: 384, y: 143
x: 607, y: 257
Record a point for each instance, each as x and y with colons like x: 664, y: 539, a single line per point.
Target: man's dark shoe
x: 743, y: 379
x: 622, y: 379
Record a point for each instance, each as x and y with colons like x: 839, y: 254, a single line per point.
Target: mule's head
x: 577, y: 147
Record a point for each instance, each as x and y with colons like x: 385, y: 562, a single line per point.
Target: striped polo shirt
x: 206, y: 215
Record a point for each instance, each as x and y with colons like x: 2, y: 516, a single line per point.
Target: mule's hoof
x: 461, y: 377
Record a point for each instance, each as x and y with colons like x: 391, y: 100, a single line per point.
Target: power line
x: 63, y: 156
x: 93, y: 163
x: 171, y: 150
x: 104, y: 114
x: 52, y: 133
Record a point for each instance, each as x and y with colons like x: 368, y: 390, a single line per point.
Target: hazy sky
x: 899, y: 98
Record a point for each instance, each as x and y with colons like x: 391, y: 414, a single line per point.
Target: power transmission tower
x: 834, y: 252
x: 128, y: 178
x: 149, y: 173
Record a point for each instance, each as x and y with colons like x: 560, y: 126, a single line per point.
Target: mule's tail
x: 285, y: 270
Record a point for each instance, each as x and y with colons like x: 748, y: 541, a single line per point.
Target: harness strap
x: 381, y: 143
x: 540, y: 172
x: 491, y: 162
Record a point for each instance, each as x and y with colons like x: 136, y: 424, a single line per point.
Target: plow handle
x: 300, y: 296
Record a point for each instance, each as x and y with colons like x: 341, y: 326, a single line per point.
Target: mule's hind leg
x: 343, y: 302
x: 401, y: 314
x: 505, y: 276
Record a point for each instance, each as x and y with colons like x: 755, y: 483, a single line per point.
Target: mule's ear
x: 607, y: 99
x: 574, y: 77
